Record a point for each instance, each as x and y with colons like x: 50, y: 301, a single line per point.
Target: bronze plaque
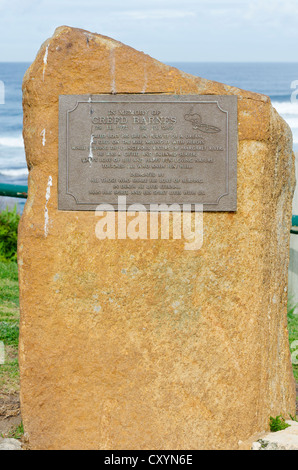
x: 153, y: 149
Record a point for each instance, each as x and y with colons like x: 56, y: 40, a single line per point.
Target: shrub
x: 9, y: 221
x: 278, y: 424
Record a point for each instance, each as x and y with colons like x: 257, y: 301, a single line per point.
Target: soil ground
x: 10, y: 413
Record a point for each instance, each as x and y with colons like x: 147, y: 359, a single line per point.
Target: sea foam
x: 15, y: 142
x: 286, y: 107
x: 15, y: 173
x: 289, y: 111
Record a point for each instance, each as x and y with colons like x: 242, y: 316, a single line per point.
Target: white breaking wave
x: 16, y: 142
x: 293, y: 122
x: 289, y: 111
x: 286, y: 107
x: 21, y: 172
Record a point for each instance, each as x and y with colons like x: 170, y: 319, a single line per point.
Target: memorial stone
x: 140, y: 343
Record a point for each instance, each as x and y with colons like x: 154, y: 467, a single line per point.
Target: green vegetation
x: 9, y: 221
x: 16, y: 433
x: 293, y: 335
x: 278, y: 424
x: 9, y: 300
x: 9, y: 326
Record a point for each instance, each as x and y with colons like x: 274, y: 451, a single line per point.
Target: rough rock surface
x: 10, y: 444
x: 141, y: 344
x: 282, y: 440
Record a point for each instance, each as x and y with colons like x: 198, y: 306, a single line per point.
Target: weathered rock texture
x: 141, y: 344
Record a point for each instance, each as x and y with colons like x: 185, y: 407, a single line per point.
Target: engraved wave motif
x: 196, y: 121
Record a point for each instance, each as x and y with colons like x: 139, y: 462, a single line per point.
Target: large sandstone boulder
x: 141, y: 344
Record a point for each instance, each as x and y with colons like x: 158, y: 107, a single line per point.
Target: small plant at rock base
x: 16, y: 433
x: 294, y: 418
x: 278, y: 424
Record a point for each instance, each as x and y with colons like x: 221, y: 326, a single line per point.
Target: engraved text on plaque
x: 153, y: 149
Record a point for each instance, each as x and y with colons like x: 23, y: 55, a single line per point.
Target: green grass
x: 278, y: 424
x: 16, y: 433
x: 9, y: 326
x: 9, y: 221
x: 293, y: 334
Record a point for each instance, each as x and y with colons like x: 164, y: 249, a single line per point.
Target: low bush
x: 9, y: 221
x: 278, y: 424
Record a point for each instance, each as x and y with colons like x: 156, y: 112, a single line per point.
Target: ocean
x: 271, y: 79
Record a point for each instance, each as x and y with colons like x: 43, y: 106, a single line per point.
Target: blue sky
x: 169, y: 30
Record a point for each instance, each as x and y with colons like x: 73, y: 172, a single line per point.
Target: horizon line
x: 177, y: 61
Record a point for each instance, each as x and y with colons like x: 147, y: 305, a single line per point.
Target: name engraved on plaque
x: 153, y: 149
